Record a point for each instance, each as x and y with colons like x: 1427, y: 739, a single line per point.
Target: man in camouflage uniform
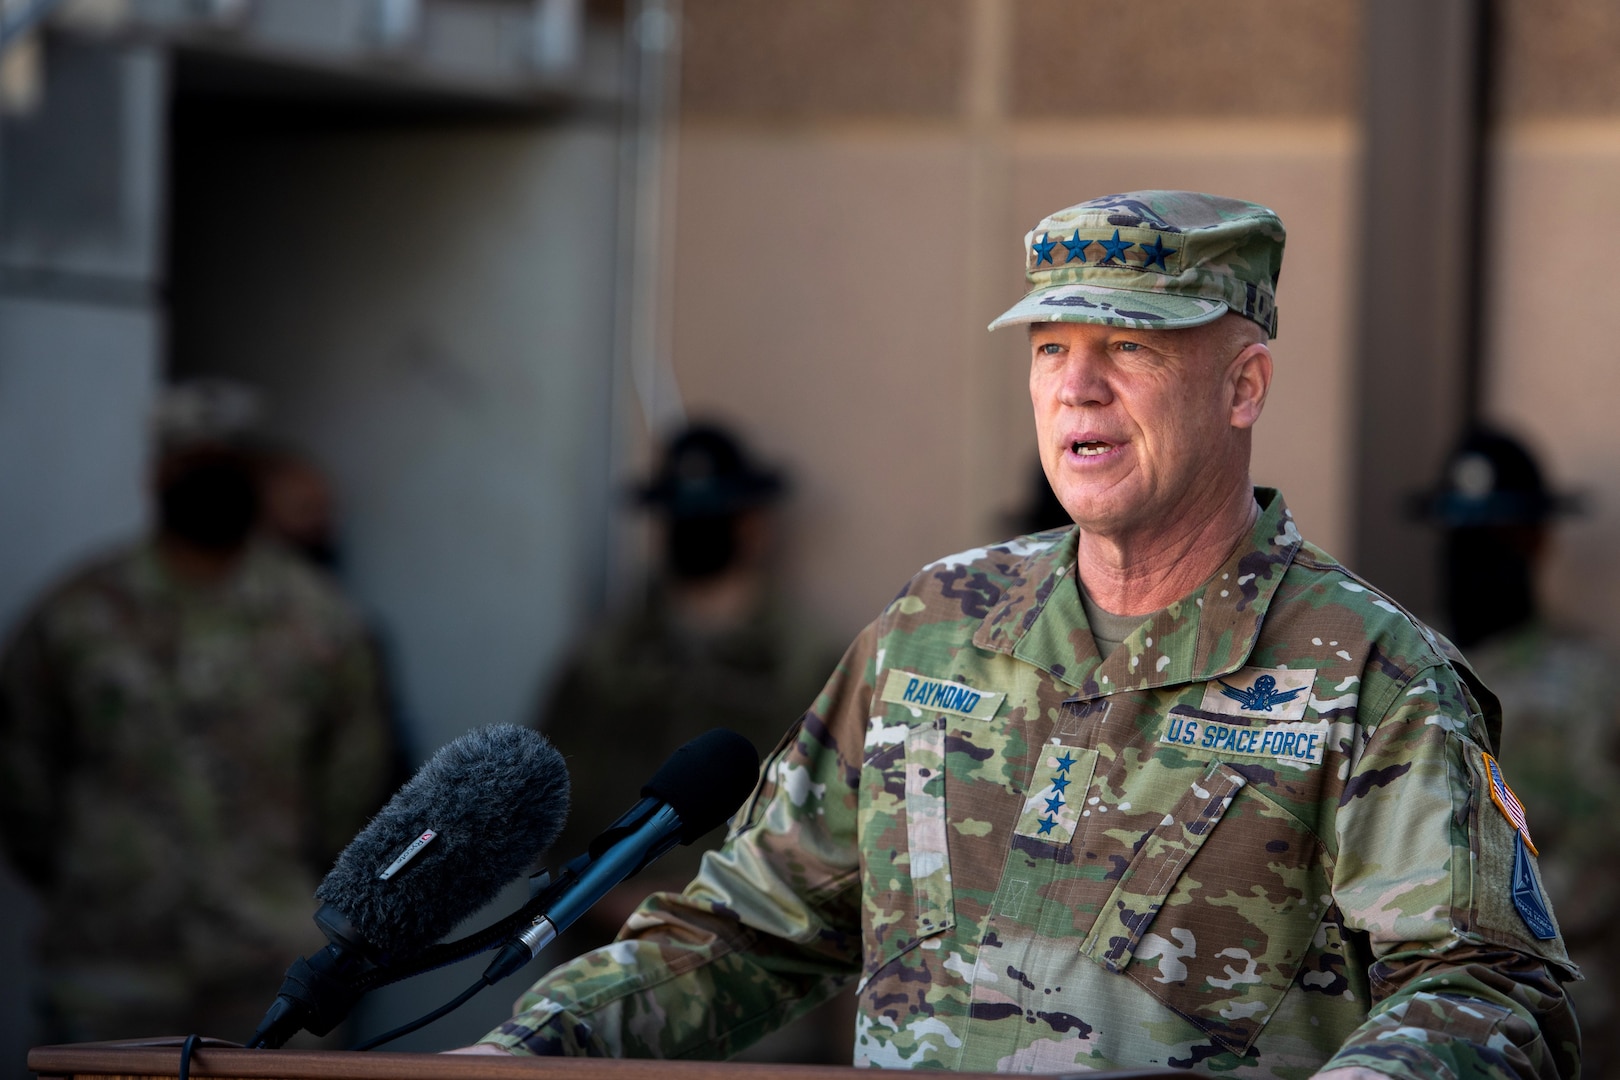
x: 193, y: 729
x: 712, y: 645
x: 1172, y: 788
x: 1558, y: 689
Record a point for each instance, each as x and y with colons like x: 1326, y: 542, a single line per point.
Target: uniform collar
x: 1204, y: 635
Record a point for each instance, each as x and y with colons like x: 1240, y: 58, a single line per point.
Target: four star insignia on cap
x: 1075, y: 247
x: 1152, y: 255
x: 1116, y: 247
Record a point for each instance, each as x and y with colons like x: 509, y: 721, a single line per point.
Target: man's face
x: 1138, y: 429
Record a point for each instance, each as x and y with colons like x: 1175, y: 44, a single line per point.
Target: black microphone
x: 474, y: 817
x: 697, y: 789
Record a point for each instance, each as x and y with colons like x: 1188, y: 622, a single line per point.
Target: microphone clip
x: 320, y: 991
x: 316, y: 995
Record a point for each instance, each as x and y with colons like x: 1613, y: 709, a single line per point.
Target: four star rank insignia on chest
x: 1057, y: 797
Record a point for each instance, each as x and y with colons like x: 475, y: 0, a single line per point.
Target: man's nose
x: 1085, y: 380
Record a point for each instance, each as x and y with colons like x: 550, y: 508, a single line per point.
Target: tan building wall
x: 854, y: 179
x: 854, y: 183
x: 1554, y: 343
x: 1553, y: 332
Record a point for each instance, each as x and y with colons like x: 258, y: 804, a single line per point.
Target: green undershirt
x: 1109, y: 630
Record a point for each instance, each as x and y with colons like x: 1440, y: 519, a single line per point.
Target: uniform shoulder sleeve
x: 1468, y: 964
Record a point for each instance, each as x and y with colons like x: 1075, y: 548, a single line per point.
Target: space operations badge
x: 1263, y: 693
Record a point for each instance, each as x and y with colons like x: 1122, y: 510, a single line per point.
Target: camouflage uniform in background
x: 182, y: 763
x: 1256, y: 840
x: 641, y: 686
x: 1562, y: 740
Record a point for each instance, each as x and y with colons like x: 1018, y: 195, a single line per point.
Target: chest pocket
x: 907, y: 891
x: 1216, y: 911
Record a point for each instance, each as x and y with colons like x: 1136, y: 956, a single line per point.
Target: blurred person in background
x: 296, y: 507
x: 713, y: 644
x: 299, y: 511
x: 193, y: 730
x: 1559, y: 694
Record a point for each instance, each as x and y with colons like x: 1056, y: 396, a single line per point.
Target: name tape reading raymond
x: 1288, y: 742
x: 938, y: 695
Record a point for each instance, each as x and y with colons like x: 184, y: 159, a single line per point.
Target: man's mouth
x: 1089, y: 448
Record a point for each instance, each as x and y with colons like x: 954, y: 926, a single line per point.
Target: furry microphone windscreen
x: 493, y: 800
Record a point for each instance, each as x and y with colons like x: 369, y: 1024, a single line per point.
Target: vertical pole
x: 1416, y: 352
x: 646, y: 401
x: 1482, y: 118
x: 988, y: 359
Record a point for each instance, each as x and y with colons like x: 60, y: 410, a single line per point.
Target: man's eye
x: 1049, y: 348
x: 1127, y: 346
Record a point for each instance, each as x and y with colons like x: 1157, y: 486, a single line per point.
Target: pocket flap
x: 1158, y: 863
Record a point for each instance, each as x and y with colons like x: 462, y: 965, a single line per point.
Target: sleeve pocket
x: 907, y: 898
x: 1493, y: 843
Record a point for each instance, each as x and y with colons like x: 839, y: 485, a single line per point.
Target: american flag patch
x: 1507, y: 802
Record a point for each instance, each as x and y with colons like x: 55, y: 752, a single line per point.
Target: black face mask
x: 321, y: 553
x: 1489, y: 583
x: 701, y: 547
x: 209, y: 502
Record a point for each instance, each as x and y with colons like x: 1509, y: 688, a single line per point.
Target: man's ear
x: 1250, y: 381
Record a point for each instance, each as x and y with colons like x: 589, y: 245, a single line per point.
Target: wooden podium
x: 159, y: 1059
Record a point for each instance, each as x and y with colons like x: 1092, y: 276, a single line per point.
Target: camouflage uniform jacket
x: 640, y: 685
x: 1254, y: 838
x: 181, y: 764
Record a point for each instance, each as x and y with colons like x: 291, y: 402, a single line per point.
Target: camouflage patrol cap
x: 1152, y: 260
x: 205, y: 409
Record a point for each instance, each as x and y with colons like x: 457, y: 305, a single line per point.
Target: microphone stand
x: 320, y: 991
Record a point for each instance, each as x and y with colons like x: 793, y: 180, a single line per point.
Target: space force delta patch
x: 938, y: 695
